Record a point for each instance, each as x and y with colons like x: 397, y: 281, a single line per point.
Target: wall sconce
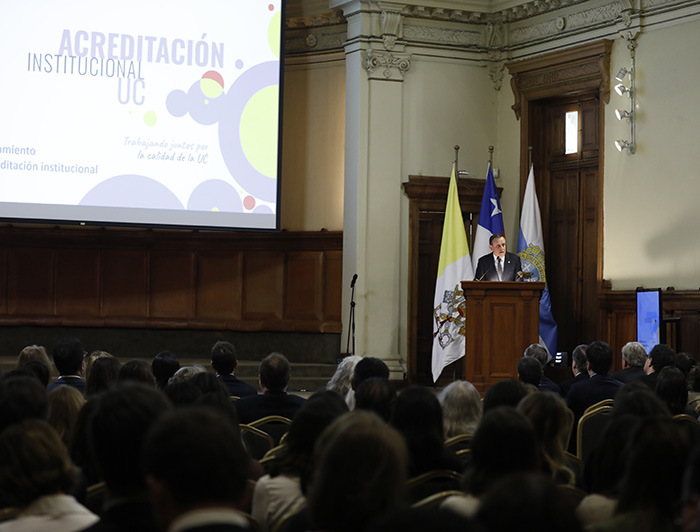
x: 623, y: 90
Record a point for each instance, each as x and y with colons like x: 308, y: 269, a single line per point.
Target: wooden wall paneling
x: 263, y: 286
x: 303, y: 298
x: 31, y: 281
x: 332, y: 287
x: 171, y: 286
x: 78, y: 282
x: 125, y: 283
x: 218, y: 286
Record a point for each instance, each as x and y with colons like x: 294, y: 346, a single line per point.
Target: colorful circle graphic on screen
x: 212, y: 84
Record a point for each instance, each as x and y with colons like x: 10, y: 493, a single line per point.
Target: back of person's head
x: 367, y: 368
x: 672, y: 389
x: 22, y: 398
x: 661, y: 355
x: 122, y: 418
x: 317, y: 413
x: 182, y: 393
x: 539, y: 352
x: 103, y: 375
x: 274, y: 371
x: 635, y: 354
x: 186, y: 372
x: 90, y: 361
x: 223, y: 358
x: 65, y: 403
x: 547, y: 414
x: 684, y: 362
x: 461, y: 408
x: 638, y: 400
x: 694, y: 379
x: 38, y: 369
x: 359, y: 475
x: 68, y: 355
x: 33, y: 352
x: 197, y: 458
x: 137, y: 370
x: 530, y: 370
x: 341, y: 380
x: 508, y: 392
x: 579, y: 356
x: 376, y: 395
x: 221, y: 403
x: 504, y: 443
x: 600, y: 357
x: 527, y: 502
x: 33, y: 463
x: 164, y: 365
x: 207, y: 382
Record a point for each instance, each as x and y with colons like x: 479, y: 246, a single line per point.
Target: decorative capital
x: 387, y: 65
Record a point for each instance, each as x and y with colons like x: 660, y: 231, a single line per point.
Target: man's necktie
x: 499, y: 269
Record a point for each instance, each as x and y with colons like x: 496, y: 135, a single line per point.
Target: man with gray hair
x: 540, y: 354
x: 633, y: 358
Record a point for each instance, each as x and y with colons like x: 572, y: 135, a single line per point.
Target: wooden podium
x: 502, y: 319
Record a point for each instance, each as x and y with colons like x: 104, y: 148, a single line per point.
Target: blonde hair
x: 34, y: 352
x: 90, y: 360
x: 65, y: 403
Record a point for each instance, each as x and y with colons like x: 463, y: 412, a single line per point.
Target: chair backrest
x: 459, y: 442
x: 95, y: 497
x: 590, y: 430
x: 433, y: 482
x: 257, y: 442
x: 604, y: 402
x: 275, y: 426
x: 434, y: 500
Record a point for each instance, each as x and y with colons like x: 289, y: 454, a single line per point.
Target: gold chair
x: 95, y: 497
x: 590, y: 430
x: 604, y: 402
x: 257, y: 442
x: 459, y: 442
x: 434, y: 500
x: 433, y: 482
x: 275, y: 426
x: 253, y: 525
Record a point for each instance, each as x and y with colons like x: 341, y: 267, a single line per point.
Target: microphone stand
x: 352, y: 316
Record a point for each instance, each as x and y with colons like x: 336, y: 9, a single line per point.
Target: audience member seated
x: 634, y: 356
x: 69, y: 358
x: 182, y: 393
x: 543, y: 357
x: 578, y: 368
x: 22, y: 398
x: 33, y: 352
x: 507, y: 392
x: 90, y: 361
x: 650, y: 491
x: 117, y: 430
x: 224, y: 362
x: 65, y: 403
x: 196, y: 469
x: 659, y: 357
x: 377, y: 395
x: 340, y: 382
x: 504, y: 443
x: 37, y: 477
x: 527, y: 502
x: 103, y: 375
x: 164, y: 365
x: 694, y: 388
x: 137, y: 370
x: 207, y: 382
x: 40, y: 370
x: 684, y: 362
x: 360, y: 473
x: 547, y: 414
x: 280, y: 492
x: 80, y: 449
x: 672, y: 389
x: 461, y: 408
x: 186, y: 372
x: 599, y: 385
x: 365, y: 369
x: 274, y: 373
x: 417, y: 416
x: 530, y: 371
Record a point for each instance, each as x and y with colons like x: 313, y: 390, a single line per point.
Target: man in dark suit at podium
x: 499, y: 265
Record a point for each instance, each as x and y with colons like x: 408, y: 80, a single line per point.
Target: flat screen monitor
x: 649, y: 317
x: 141, y: 112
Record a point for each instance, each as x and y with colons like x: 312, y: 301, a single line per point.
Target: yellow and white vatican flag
x: 454, y: 267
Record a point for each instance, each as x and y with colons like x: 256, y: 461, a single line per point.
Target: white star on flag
x: 496, y: 210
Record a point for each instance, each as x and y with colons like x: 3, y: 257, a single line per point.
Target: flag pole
x: 491, y: 148
x: 457, y: 161
x: 529, y: 157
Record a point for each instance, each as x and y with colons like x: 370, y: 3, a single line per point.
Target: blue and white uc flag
x: 490, y: 220
x: 531, y: 252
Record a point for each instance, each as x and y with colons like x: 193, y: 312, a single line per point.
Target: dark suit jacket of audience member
x: 268, y: 404
x: 75, y: 382
x: 237, y: 387
x: 126, y: 516
x: 548, y: 385
x: 628, y: 374
x: 566, y: 385
x: 591, y: 391
x: 650, y: 380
